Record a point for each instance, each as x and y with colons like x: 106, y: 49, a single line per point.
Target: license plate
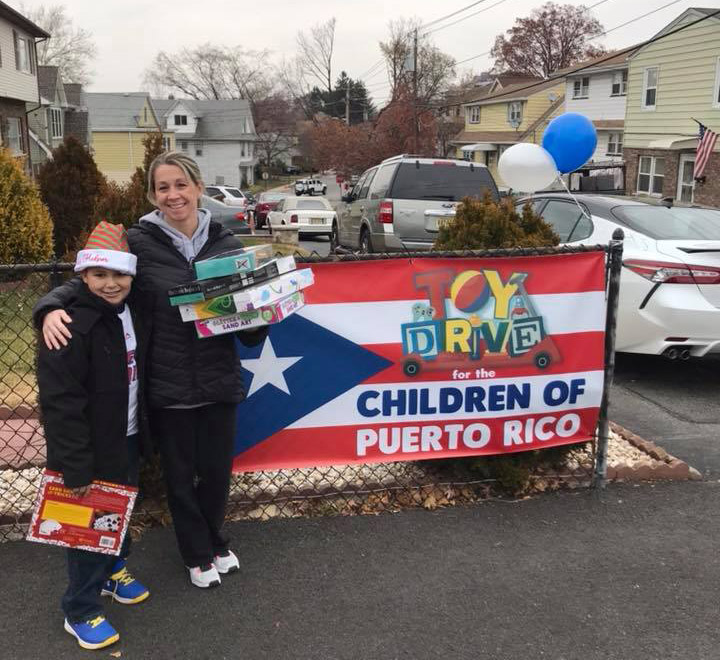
x: 317, y: 221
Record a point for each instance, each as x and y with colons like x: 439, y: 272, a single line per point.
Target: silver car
x: 399, y: 204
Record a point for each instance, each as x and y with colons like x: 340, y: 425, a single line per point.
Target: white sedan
x: 670, y: 282
x: 310, y: 216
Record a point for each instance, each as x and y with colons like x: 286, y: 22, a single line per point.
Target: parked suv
x: 310, y: 187
x: 228, y: 195
x: 399, y: 204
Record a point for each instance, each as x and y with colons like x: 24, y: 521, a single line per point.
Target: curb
x: 667, y: 466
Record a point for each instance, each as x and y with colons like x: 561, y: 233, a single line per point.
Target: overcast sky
x: 129, y: 33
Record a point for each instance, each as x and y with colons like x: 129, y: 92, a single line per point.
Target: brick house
x: 18, y: 79
x: 671, y: 83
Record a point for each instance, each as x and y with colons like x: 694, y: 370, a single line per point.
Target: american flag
x: 705, y: 147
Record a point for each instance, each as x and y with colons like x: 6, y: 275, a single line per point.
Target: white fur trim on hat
x: 123, y: 262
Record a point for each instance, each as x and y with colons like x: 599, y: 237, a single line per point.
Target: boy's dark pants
x: 89, y: 570
x: 197, y: 446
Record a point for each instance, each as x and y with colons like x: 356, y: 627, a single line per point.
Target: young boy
x: 90, y: 401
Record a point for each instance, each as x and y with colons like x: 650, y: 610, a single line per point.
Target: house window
x: 14, y: 136
x: 581, y: 88
x: 183, y: 145
x: 473, y: 114
x: 198, y: 149
x: 23, y: 53
x: 650, y: 84
x: 180, y: 120
x: 619, y: 83
x: 615, y: 146
x: 467, y: 154
x: 56, y: 127
x: 651, y: 175
x: 515, y: 113
x: 716, y: 92
x: 242, y: 150
x: 166, y: 144
x: 145, y: 115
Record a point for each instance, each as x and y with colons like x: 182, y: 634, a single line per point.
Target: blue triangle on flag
x: 329, y: 366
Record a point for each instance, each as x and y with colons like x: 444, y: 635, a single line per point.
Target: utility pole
x: 347, y: 103
x: 416, y: 127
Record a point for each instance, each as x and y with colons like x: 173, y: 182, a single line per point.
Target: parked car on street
x: 251, y: 201
x: 310, y: 216
x: 230, y: 195
x: 310, y: 187
x: 230, y: 217
x: 292, y: 169
x: 670, y: 282
x: 399, y: 204
x: 264, y: 203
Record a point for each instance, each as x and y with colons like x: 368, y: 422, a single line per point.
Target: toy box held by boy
x: 267, y: 315
x: 96, y: 522
x: 250, y: 298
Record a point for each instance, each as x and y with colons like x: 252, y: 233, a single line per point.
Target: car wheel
x: 334, y: 238
x: 411, y: 367
x: 542, y: 360
x: 365, y: 242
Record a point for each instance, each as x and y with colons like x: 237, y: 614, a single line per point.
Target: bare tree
x: 435, y: 69
x: 315, y: 53
x: 553, y: 37
x: 212, y: 72
x: 275, y: 122
x: 70, y: 48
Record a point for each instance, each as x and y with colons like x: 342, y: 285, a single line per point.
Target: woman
x: 193, y: 385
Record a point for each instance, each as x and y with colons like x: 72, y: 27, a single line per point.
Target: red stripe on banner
x: 578, y: 352
x: 401, y: 279
x: 378, y: 443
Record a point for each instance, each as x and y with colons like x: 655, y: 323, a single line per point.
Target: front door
x: 686, y: 183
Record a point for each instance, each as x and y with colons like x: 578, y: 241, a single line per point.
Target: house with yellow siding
x: 507, y: 116
x: 118, y: 124
x: 674, y: 83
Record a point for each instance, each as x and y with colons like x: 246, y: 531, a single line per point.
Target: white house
x: 599, y: 92
x: 218, y: 134
x: 18, y: 78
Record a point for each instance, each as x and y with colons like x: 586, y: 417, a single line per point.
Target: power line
x: 602, y: 34
x: 464, y: 18
x: 595, y: 62
x: 455, y: 13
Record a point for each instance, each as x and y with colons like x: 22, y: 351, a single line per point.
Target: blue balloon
x: 571, y: 140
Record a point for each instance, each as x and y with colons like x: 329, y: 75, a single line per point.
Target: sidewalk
x: 632, y: 576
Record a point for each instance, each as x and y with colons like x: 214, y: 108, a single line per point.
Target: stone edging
x: 665, y: 466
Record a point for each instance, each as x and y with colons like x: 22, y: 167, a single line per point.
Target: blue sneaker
x: 123, y: 587
x: 94, y: 633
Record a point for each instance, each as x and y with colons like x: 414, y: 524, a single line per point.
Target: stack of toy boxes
x: 241, y: 289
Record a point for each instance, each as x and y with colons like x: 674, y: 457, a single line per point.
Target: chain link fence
x: 336, y: 490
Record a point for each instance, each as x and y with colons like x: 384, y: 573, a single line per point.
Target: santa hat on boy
x: 107, y: 247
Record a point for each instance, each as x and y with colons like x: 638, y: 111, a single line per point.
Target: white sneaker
x: 204, y: 576
x: 226, y: 563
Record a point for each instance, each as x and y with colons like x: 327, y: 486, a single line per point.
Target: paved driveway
x: 675, y: 404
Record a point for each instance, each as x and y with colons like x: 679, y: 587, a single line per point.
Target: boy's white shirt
x: 130, y: 347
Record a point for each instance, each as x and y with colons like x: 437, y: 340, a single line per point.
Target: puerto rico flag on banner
x: 408, y: 359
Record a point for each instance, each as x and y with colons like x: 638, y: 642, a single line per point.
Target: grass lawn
x: 17, y: 337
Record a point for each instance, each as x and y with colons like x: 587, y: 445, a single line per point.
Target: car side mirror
x: 348, y: 198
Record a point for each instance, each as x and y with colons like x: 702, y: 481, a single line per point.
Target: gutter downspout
x: 39, y: 105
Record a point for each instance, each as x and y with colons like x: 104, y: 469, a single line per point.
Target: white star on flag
x: 269, y: 369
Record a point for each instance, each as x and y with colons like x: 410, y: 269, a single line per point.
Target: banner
x: 407, y: 359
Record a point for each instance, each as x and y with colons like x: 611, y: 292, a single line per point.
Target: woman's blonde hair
x: 188, y: 166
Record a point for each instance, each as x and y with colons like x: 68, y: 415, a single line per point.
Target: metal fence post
x: 55, y: 277
x: 613, y: 291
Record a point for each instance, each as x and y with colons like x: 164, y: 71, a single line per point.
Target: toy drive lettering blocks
x: 242, y: 260
x: 252, y: 319
x: 201, y: 290
x: 250, y: 298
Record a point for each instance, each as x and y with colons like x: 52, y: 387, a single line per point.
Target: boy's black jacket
x: 182, y: 369
x: 84, y: 393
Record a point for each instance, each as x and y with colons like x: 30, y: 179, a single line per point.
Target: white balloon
x: 527, y: 167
